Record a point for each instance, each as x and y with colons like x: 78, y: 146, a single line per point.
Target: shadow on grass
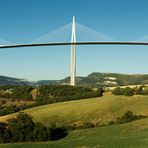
x: 58, y: 133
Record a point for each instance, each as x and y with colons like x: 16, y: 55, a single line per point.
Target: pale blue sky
x: 25, y: 21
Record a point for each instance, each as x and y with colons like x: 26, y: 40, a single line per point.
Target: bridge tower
x: 73, y: 55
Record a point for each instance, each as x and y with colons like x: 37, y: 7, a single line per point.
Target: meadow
x: 96, y: 110
x: 100, y: 111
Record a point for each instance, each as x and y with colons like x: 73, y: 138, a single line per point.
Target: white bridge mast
x: 73, y: 54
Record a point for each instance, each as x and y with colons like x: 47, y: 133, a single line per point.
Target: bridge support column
x: 73, y: 55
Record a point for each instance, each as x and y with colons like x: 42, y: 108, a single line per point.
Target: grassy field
x: 129, y: 135
x: 97, y: 110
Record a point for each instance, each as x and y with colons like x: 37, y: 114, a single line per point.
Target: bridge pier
x: 73, y: 55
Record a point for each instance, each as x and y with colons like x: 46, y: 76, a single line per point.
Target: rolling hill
x: 97, y: 110
x: 94, y: 79
x: 113, y: 79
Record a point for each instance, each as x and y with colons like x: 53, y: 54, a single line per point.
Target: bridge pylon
x: 73, y: 55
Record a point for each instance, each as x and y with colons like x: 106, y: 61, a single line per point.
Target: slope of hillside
x: 11, y: 81
x: 118, y: 79
x: 97, y: 110
x: 129, y: 135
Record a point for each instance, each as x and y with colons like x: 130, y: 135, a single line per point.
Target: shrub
x: 121, y: 91
x: 21, y: 127
x: 128, y: 117
x: 142, y: 90
x: 88, y: 125
x: 40, y: 133
x: 5, y: 134
x: 118, y: 91
x: 111, y: 122
x: 128, y: 91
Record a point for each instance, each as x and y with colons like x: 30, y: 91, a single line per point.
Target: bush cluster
x: 123, y: 91
x: 128, y: 117
x: 142, y: 90
x: 23, y: 129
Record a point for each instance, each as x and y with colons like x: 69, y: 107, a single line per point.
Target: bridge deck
x: 69, y: 43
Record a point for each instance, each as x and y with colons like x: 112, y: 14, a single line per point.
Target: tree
x: 40, y: 133
x: 21, y: 127
x: 118, y: 91
x: 127, y: 117
x: 5, y: 134
x: 128, y: 91
x: 22, y: 92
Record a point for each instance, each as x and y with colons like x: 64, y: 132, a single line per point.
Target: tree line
x: 46, y: 94
x: 61, y: 93
x: 142, y: 90
x: 22, y: 92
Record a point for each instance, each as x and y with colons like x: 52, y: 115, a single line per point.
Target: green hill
x: 93, y: 79
x: 96, y: 110
x: 114, y: 79
x: 99, y: 111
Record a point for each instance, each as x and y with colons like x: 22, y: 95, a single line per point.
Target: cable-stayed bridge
x: 87, y: 40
